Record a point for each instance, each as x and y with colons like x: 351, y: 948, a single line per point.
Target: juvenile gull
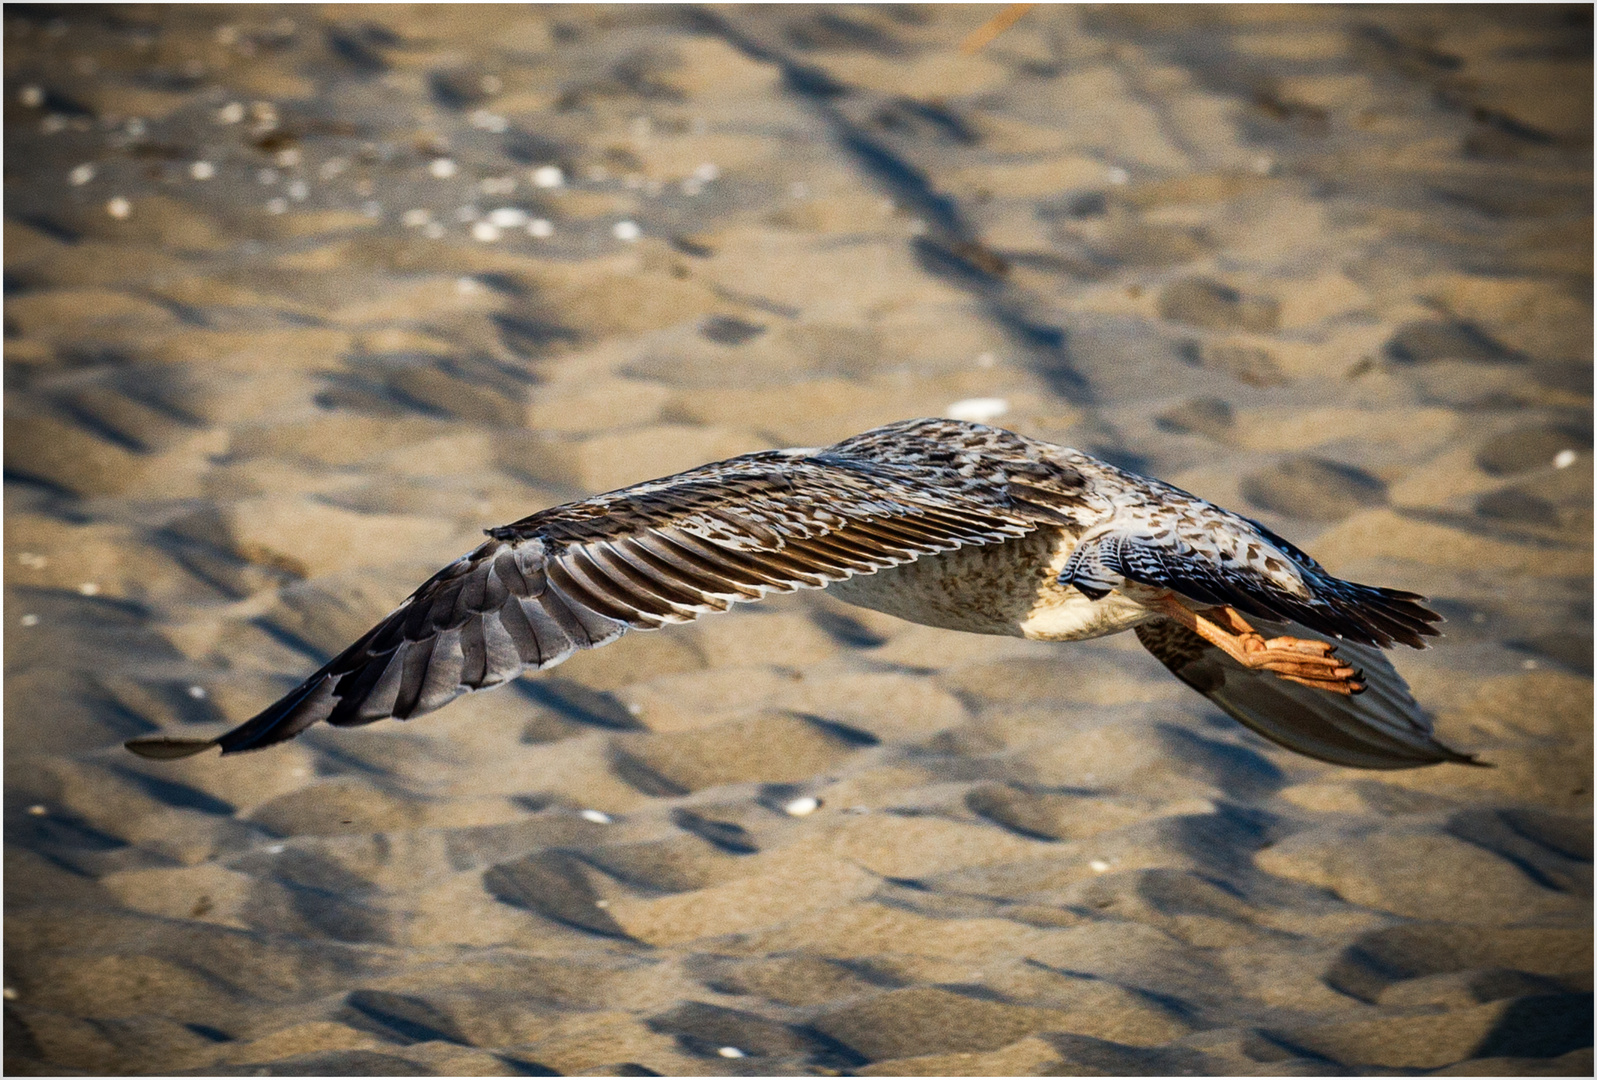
x: 940, y: 522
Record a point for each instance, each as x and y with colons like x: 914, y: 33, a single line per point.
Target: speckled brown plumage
x: 947, y: 523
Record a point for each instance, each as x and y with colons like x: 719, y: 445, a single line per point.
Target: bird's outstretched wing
x: 1164, y: 537
x: 667, y: 551
x: 1381, y: 728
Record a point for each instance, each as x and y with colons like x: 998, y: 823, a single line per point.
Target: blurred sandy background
x: 300, y: 299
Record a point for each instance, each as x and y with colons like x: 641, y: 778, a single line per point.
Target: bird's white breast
x: 1010, y: 589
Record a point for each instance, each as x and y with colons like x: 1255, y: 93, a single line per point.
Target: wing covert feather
x: 1158, y: 535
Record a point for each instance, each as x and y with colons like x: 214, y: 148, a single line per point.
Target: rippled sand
x: 298, y: 300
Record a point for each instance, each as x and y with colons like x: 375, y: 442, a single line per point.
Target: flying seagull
x: 941, y: 522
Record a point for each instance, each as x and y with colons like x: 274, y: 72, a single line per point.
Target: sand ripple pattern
x: 298, y: 300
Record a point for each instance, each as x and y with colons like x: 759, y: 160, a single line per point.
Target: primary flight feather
x: 940, y: 522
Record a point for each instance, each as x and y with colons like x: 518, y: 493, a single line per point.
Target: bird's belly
x: 1010, y: 589
x: 1065, y: 614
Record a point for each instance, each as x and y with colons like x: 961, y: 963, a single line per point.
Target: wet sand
x: 300, y: 299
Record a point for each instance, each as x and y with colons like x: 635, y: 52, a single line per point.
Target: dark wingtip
x: 161, y: 748
x: 1449, y: 756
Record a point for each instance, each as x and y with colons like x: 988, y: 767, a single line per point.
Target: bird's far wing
x: 667, y: 551
x: 1381, y: 728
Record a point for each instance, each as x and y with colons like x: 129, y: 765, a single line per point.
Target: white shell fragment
x: 598, y: 817
x: 978, y: 410
x: 508, y: 217
x: 802, y: 806
x: 488, y: 121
